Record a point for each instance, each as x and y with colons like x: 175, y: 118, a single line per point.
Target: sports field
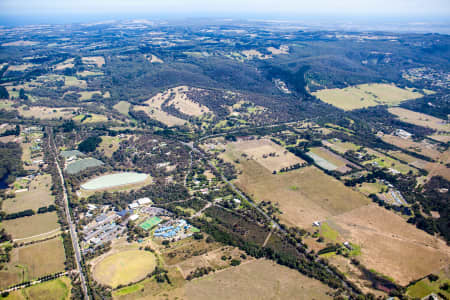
x: 150, y: 223
x: 124, y: 267
x: 365, y: 95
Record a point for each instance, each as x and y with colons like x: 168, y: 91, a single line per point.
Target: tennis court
x: 150, y: 223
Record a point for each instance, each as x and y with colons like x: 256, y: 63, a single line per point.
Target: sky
x: 42, y: 9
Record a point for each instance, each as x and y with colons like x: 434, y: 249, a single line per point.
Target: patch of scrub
x: 113, y: 180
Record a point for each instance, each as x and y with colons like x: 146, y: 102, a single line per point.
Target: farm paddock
x: 265, y: 152
x: 304, y: 195
x: 390, y: 245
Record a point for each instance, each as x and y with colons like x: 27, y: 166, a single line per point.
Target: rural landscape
x: 223, y: 159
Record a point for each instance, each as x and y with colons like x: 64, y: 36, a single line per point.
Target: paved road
x: 275, y: 225
x: 72, y: 227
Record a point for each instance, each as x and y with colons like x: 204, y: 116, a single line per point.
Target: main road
x: 72, y: 226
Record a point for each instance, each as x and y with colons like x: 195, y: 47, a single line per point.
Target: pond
x: 114, y: 180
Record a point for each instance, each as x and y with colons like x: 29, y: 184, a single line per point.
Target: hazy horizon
x: 22, y: 12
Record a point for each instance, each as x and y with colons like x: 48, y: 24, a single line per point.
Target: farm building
x: 403, y: 133
x: 144, y: 201
x: 133, y: 205
x: 134, y: 217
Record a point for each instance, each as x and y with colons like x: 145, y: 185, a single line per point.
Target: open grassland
x: 340, y: 146
x: 420, y: 119
x: 153, y: 110
x: 304, y: 196
x: 124, y: 267
x: 123, y: 107
x: 87, y: 95
x: 251, y: 54
x: 99, y: 61
x: 90, y: 118
x: 284, y: 49
x: 68, y: 63
x: 89, y: 73
x: 425, y: 287
x: 149, y: 288
x: 424, y: 148
x: 22, y: 67
x: 390, y: 245
x: 338, y: 161
x: 57, y: 289
x: 184, y: 104
x: 268, y: 154
x: 365, y: 95
x: 72, y: 81
x: 38, y: 195
x: 27, y: 227
x: 41, y: 112
x: 211, y: 259
x: 368, y: 188
x: 182, y: 250
x: 256, y: 280
x: 383, y: 161
x: 33, y: 261
x: 109, y: 145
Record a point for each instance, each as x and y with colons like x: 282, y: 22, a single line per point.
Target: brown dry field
x: 154, y: 111
x: 34, y: 260
x: 284, y: 49
x: 255, y: 149
x: 68, y: 63
x: 251, y: 54
x: 333, y: 158
x: 434, y: 169
x: 27, y: 227
x: 421, y: 148
x: 304, y: 196
x: 185, y: 249
x: 442, y: 137
x: 211, y: 259
x: 40, y: 112
x: 95, y: 60
x: 38, y: 195
x: 390, y: 245
x: 420, y: 119
x: 256, y: 280
x: 184, y: 104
